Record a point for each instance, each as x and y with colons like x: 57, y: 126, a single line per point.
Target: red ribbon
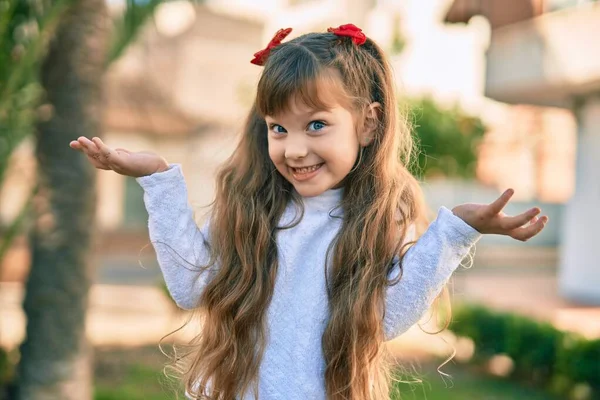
x: 351, y: 31
x: 260, y: 57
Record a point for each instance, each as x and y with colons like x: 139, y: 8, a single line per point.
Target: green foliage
x: 127, y: 25
x: 140, y: 382
x: 463, y: 384
x: 489, y: 336
x: 25, y: 28
x: 447, y: 139
x: 542, y: 354
x: 132, y: 376
x: 535, y: 345
x: 580, y: 362
x: 6, y: 368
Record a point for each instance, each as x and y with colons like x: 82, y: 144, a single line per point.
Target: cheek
x: 348, y: 159
x: 275, y: 152
x: 343, y: 153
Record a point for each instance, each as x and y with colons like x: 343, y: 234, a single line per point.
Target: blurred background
x: 501, y: 93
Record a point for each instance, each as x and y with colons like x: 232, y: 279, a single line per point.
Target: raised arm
x: 428, y: 265
x: 181, y: 248
x: 426, y: 268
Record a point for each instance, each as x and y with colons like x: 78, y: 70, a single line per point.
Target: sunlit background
x: 502, y: 93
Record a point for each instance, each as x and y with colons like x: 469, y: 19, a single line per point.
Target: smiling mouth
x: 306, y: 170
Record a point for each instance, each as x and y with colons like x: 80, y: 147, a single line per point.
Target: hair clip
x: 351, y: 31
x: 260, y: 57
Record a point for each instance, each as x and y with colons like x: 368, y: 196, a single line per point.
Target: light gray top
x: 293, y: 364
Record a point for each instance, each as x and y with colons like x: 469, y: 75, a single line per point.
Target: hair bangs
x: 294, y: 74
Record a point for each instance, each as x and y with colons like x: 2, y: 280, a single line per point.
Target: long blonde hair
x: 381, y: 200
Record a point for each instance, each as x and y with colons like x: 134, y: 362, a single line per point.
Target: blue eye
x: 316, y: 125
x: 278, y: 129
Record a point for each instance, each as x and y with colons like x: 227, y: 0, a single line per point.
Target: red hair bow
x: 260, y: 57
x: 350, y: 30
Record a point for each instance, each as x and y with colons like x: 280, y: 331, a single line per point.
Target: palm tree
x: 55, y: 360
x: 55, y: 356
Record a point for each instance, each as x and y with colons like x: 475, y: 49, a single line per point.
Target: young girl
x: 308, y: 262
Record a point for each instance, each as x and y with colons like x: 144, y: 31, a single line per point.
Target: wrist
x: 456, y: 211
x: 460, y: 212
x: 162, y: 167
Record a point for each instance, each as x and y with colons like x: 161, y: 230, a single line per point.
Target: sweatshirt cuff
x: 464, y: 233
x: 173, y: 172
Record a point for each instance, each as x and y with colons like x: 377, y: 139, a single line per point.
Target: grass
x: 132, y: 374
x: 136, y: 374
x: 140, y: 383
x: 464, y: 384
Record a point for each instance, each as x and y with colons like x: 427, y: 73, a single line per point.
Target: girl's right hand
x: 121, y: 161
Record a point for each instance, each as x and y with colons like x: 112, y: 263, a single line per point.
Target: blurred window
x: 135, y: 215
x: 555, y: 5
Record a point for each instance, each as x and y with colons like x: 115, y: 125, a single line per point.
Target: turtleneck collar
x: 326, y: 201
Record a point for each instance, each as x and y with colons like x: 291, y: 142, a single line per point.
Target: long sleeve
x: 181, y: 248
x: 426, y: 268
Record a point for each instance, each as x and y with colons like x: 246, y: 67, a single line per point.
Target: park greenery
x: 37, y: 38
x: 52, y: 57
x: 447, y: 139
x: 564, y: 364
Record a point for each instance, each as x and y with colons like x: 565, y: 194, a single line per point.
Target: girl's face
x: 313, y: 149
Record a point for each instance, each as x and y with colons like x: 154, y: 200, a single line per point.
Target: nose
x: 295, y: 147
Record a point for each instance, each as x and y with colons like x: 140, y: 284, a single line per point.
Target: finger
x: 90, y: 149
x: 497, y: 206
x: 533, y: 221
x: 530, y: 231
x: 87, y: 144
x: 113, y: 158
x: 510, y: 223
x: 93, y: 153
x: 104, y: 150
x: 79, y: 147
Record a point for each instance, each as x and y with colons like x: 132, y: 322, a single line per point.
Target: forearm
x: 426, y: 268
x: 181, y: 248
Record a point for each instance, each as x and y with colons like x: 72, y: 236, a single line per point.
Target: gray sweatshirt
x: 293, y: 365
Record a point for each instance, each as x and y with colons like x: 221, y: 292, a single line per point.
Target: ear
x: 370, y: 124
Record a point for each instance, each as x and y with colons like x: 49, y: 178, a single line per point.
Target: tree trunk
x: 55, y: 356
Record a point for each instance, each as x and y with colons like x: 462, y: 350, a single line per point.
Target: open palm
x: 122, y: 161
x: 489, y: 218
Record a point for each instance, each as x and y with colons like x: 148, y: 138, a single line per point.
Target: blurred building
x: 181, y: 90
x: 545, y: 55
x: 184, y: 87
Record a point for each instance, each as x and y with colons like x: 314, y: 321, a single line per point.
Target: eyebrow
x: 305, y: 116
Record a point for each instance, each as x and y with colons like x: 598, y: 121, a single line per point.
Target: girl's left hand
x: 489, y: 218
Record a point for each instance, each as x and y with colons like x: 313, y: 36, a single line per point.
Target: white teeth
x: 306, y: 170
